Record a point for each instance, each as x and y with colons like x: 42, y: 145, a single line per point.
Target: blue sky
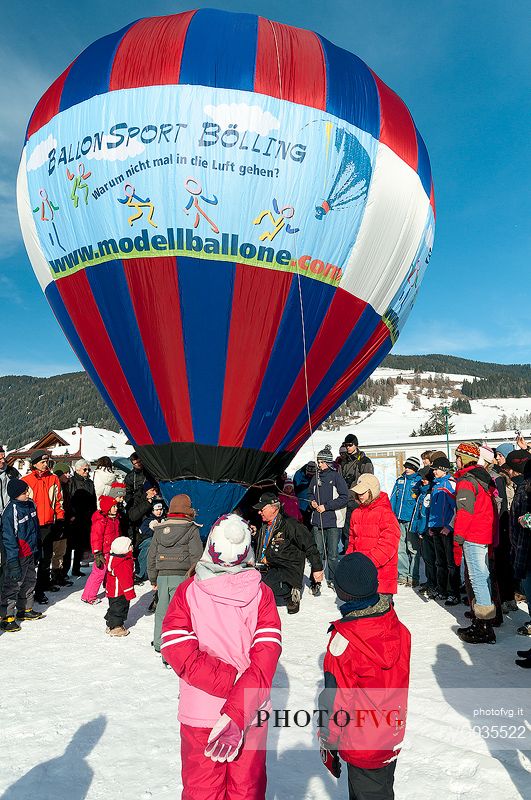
x: 462, y: 68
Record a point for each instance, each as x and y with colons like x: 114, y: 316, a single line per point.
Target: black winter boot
x: 29, y: 613
x: 9, y: 625
x: 293, y: 601
x: 480, y: 632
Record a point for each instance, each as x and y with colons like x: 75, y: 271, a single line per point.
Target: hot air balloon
x: 230, y: 218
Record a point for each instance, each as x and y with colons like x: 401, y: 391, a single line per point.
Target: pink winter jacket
x: 214, y: 630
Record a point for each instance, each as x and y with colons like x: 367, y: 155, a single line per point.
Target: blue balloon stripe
x: 58, y: 307
x: 220, y: 50
x: 91, y: 71
x: 205, y: 289
x: 287, y: 355
x: 111, y: 291
x: 351, y: 92
x: 424, y: 167
x: 355, y: 342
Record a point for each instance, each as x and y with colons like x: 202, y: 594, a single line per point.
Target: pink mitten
x: 225, y: 740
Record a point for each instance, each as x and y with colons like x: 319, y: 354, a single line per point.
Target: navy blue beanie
x: 356, y: 577
x: 16, y: 487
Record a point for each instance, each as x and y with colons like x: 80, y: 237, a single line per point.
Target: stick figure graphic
x: 47, y: 207
x: 195, y: 189
x: 132, y: 200
x: 285, y: 213
x: 79, y: 183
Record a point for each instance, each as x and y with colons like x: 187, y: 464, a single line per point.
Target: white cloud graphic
x: 39, y: 154
x: 120, y: 153
x: 247, y: 118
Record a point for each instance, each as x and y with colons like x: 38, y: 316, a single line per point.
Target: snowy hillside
x: 387, y: 425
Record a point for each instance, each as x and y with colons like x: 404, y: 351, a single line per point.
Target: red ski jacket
x: 375, y: 532
x: 475, y: 520
x: 120, y: 576
x: 364, y: 703
x: 103, y: 532
x: 46, y: 493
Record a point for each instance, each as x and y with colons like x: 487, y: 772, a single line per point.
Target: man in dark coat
x: 80, y: 503
x: 136, y: 482
x: 353, y: 464
x: 282, y: 546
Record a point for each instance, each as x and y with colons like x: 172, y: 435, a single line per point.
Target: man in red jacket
x: 45, y: 491
x: 475, y: 528
x: 363, y: 706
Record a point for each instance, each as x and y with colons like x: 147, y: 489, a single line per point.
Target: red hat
x: 106, y: 503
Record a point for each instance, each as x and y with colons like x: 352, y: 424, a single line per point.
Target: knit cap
x: 117, y: 489
x: 16, y: 487
x: 350, y: 438
x: 469, y: 452
x: 182, y: 504
x: 61, y: 468
x: 38, y: 455
x: 325, y: 455
x: 517, y: 459
x: 486, y: 454
x: 356, y: 577
x: 106, y: 503
x: 412, y: 463
x: 441, y: 463
x: 121, y: 546
x: 504, y: 448
x: 229, y: 542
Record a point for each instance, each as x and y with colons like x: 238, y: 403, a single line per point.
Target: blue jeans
x: 408, y: 553
x: 526, y: 588
x: 143, y: 548
x: 328, y: 549
x: 477, y: 562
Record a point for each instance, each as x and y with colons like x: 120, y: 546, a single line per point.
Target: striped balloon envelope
x: 230, y: 218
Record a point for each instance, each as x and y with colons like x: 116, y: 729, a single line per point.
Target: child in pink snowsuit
x: 221, y: 634
x: 105, y: 529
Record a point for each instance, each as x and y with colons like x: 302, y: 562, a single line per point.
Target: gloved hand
x: 14, y: 570
x: 99, y: 558
x: 329, y: 756
x: 224, y: 741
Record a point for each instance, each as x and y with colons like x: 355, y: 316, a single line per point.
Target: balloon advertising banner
x: 230, y: 219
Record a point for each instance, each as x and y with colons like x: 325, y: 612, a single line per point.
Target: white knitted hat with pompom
x: 121, y: 546
x: 229, y: 542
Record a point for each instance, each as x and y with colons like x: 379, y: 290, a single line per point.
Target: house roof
x: 78, y: 441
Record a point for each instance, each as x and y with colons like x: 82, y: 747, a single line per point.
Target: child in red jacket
x: 105, y: 529
x: 366, y: 670
x: 119, y: 585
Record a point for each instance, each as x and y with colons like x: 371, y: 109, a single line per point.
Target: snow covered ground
x: 85, y: 716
